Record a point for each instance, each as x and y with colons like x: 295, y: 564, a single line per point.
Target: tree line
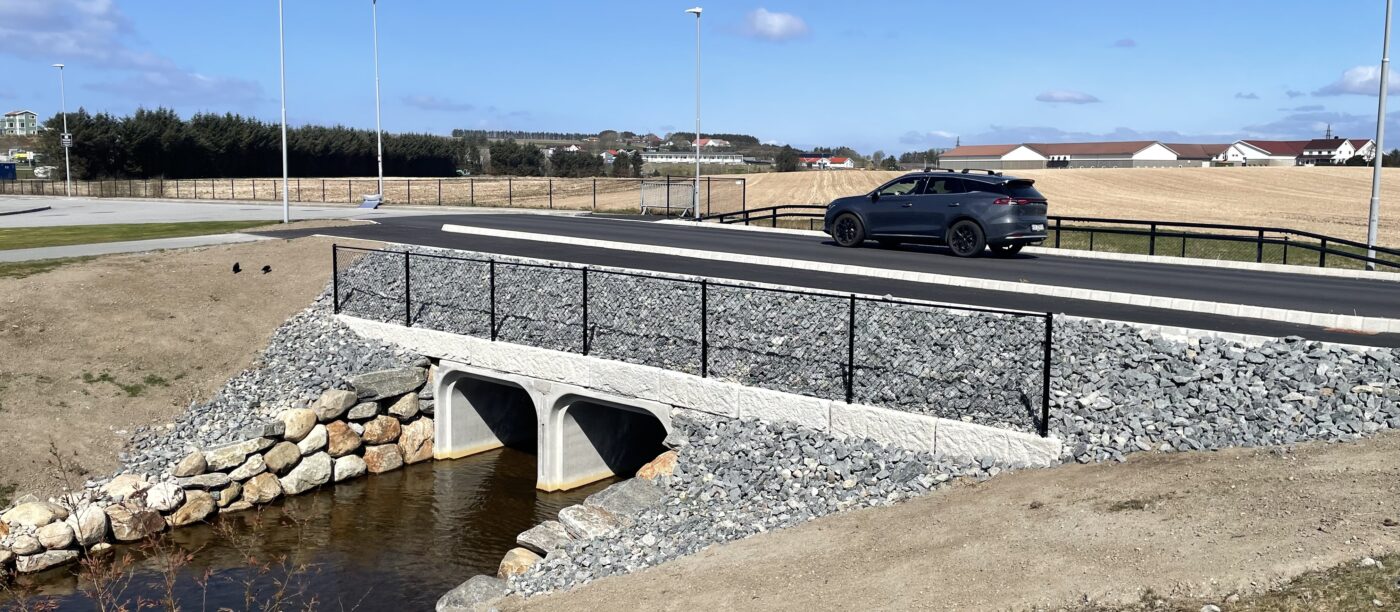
x: 510, y: 158
x: 159, y: 143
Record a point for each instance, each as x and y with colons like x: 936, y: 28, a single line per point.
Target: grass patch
x: 21, y: 269
x: 7, y: 492
x: 34, y: 237
x: 1137, y: 503
x: 131, y: 389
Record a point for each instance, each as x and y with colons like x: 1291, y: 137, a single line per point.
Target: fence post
x: 1259, y: 248
x: 439, y: 194
x: 255, y: 189
x: 1045, y: 376
x: 1152, y: 240
x: 668, y: 195
x: 851, y: 353
x: 704, y: 328
x: 492, y: 281
x: 471, y: 183
x: 1322, y: 255
x: 1057, y: 233
x: 1285, y: 250
x: 510, y: 192
x: 744, y: 194
x: 128, y: 188
x: 585, y: 310
x: 595, y: 193
x: 1091, y: 241
x: 551, y: 193
x: 709, y: 182
x: 323, y: 191
x: 335, y: 278
x: 409, y: 183
x: 774, y: 214
x: 1183, y: 244
x: 407, y: 292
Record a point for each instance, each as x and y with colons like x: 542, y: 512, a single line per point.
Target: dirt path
x: 91, y: 350
x: 1194, y: 524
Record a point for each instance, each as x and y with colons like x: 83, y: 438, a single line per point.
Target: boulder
x: 193, y: 464
x: 131, y: 523
x: 250, y: 468
x: 416, y: 441
x: 312, y: 472
x: 230, y: 493
x: 28, y: 564
x: 282, y: 458
x: 516, y: 562
x: 197, y: 507
x: 471, y: 594
x: 383, y: 458
x: 266, y: 429
x: 261, y: 489
x: 347, y: 467
x: 55, y: 536
x: 387, y: 383
x: 544, y: 538
x: 6, y: 559
x: 26, y: 545
x: 363, y: 411
x: 427, y: 406
x: 212, y: 480
x: 404, y: 408
x: 299, y: 422
x: 314, y: 441
x: 332, y: 404
x: 584, y: 522
x: 165, y: 497
x: 230, y: 456
x: 382, y: 430
x: 89, y: 525
x: 660, y: 467
x: 35, y: 514
x: 343, y: 439
x: 237, y: 506
x: 625, y: 500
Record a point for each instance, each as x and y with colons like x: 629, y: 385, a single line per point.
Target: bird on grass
x: 236, y: 269
x: 266, y: 269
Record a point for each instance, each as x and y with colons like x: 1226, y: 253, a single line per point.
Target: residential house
x: 21, y: 123
x: 991, y: 157
x: 1267, y: 152
x: 688, y: 157
x: 1334, y: 151
x: 706, y: 143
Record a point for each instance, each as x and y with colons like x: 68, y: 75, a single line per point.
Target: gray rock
x: 363, y: 411
x: 625, y: 500
x: 89, y: 525
x: 261, y: 489
x: 347, y: 467
x: 124, y: 486
x: 416, y: 441
x: 230, y: 456
x: 475, y: 592
x: 404, y: 408
x: 282, y: 458
x: 299, y: 423
x: 229, y: 494
x: 55, y: 536
x: 314, y: 441
x: 7, y: 558
x: 266, y: 429
x: 584, y: 522
x: 26, y: 545
x: 165, y: 497
x: 28, y: 564
x: 250, y: 468
x: 131, y: 523
x: 387, y: 383
x: 312, y: 472
x: 34, y: 514
x: 332, y: 404
x: 197, y: 507
x: 193, y: 464
x: 214, y: 480
x: 544, y: 538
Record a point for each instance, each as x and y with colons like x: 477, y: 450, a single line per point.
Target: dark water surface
x: 388, y: 541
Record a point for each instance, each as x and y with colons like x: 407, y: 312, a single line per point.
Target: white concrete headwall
x: 660, y: 390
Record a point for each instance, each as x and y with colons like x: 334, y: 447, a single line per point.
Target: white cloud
x: 1361, y: 80
x: 769, y: 25
x: 1240, y: 95
x: 96, y: 34
x: 931, y: 138
x: 434, y: 103
x: 1067, y: 97
x: 1293, y: 93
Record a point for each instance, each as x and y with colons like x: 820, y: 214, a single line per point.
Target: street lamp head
x: 58, y: 66
x: 695, y: 11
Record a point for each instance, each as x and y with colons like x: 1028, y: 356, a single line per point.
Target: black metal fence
x: 1161, y: 238
x: 717, y: 193
x: 989, y: 365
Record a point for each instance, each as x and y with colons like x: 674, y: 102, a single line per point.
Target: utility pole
x: 378, y: 130
x: 1378, y: 159
x: 695, y: 199
x: 66, y: 140
x: 282, y: 76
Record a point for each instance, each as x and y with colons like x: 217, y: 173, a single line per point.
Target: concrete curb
x: 1317, y: 319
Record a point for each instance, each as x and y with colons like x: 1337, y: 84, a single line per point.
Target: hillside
x: 1332, y: 201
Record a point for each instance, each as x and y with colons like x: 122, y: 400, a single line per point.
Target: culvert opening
x: 618, y: 439
x: 489, y: 415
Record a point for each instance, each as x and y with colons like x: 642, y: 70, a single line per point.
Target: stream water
x: 397, y: 540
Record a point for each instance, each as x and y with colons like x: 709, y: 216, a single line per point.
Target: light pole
x: 695, y: 197
x: 66, y: 140
x: 282, y: 75
x: 1378, y: 158
x: 378, y: 131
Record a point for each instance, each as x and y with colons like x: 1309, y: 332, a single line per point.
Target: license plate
x: 1037, y: 227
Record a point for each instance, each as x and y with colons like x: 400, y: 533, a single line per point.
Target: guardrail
x: 1159, y: 238
x: 709, y: 328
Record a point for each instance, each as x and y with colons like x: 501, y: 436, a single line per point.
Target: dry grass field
x: 1331, y: 201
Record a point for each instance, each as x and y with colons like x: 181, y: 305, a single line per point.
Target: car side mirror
x: 874, y: 196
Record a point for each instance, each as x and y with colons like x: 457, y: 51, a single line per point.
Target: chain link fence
x: 980, y: 365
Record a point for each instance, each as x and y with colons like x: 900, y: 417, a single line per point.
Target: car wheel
x: 848, y: 230
x: 1006, y: 250
x: 886, y: 243
x: 966, y: 239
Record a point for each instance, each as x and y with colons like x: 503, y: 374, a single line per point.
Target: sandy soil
x: 1190, y: 524
x: 181, y: 318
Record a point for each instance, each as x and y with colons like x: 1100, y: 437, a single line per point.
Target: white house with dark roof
x: 21, y: 123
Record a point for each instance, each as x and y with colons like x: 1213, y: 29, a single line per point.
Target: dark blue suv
x: 968, y: 211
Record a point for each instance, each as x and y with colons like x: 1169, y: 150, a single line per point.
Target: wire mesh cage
x: 645, y: 320
x: 370, y: 284
x: 781, y: 340
x: 450, y: 295
x: 539, y: 306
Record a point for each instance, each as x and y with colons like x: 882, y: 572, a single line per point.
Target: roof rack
x: 989, y: 172
x: 928, y: 169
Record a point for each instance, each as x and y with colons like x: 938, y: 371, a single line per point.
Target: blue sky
x: 891, y: 75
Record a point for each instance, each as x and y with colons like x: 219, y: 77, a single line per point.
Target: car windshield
x: 900, y: 187
x: 1020, y: 189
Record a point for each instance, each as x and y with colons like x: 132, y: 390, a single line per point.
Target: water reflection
x: 399, y: 539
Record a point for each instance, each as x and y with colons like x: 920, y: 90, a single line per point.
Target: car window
x: 938, y: 185
x: 1021, y: 189
x: 901, y: 187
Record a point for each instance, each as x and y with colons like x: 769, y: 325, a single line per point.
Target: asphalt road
x: 1279, y: 290
x: 101, y: 211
